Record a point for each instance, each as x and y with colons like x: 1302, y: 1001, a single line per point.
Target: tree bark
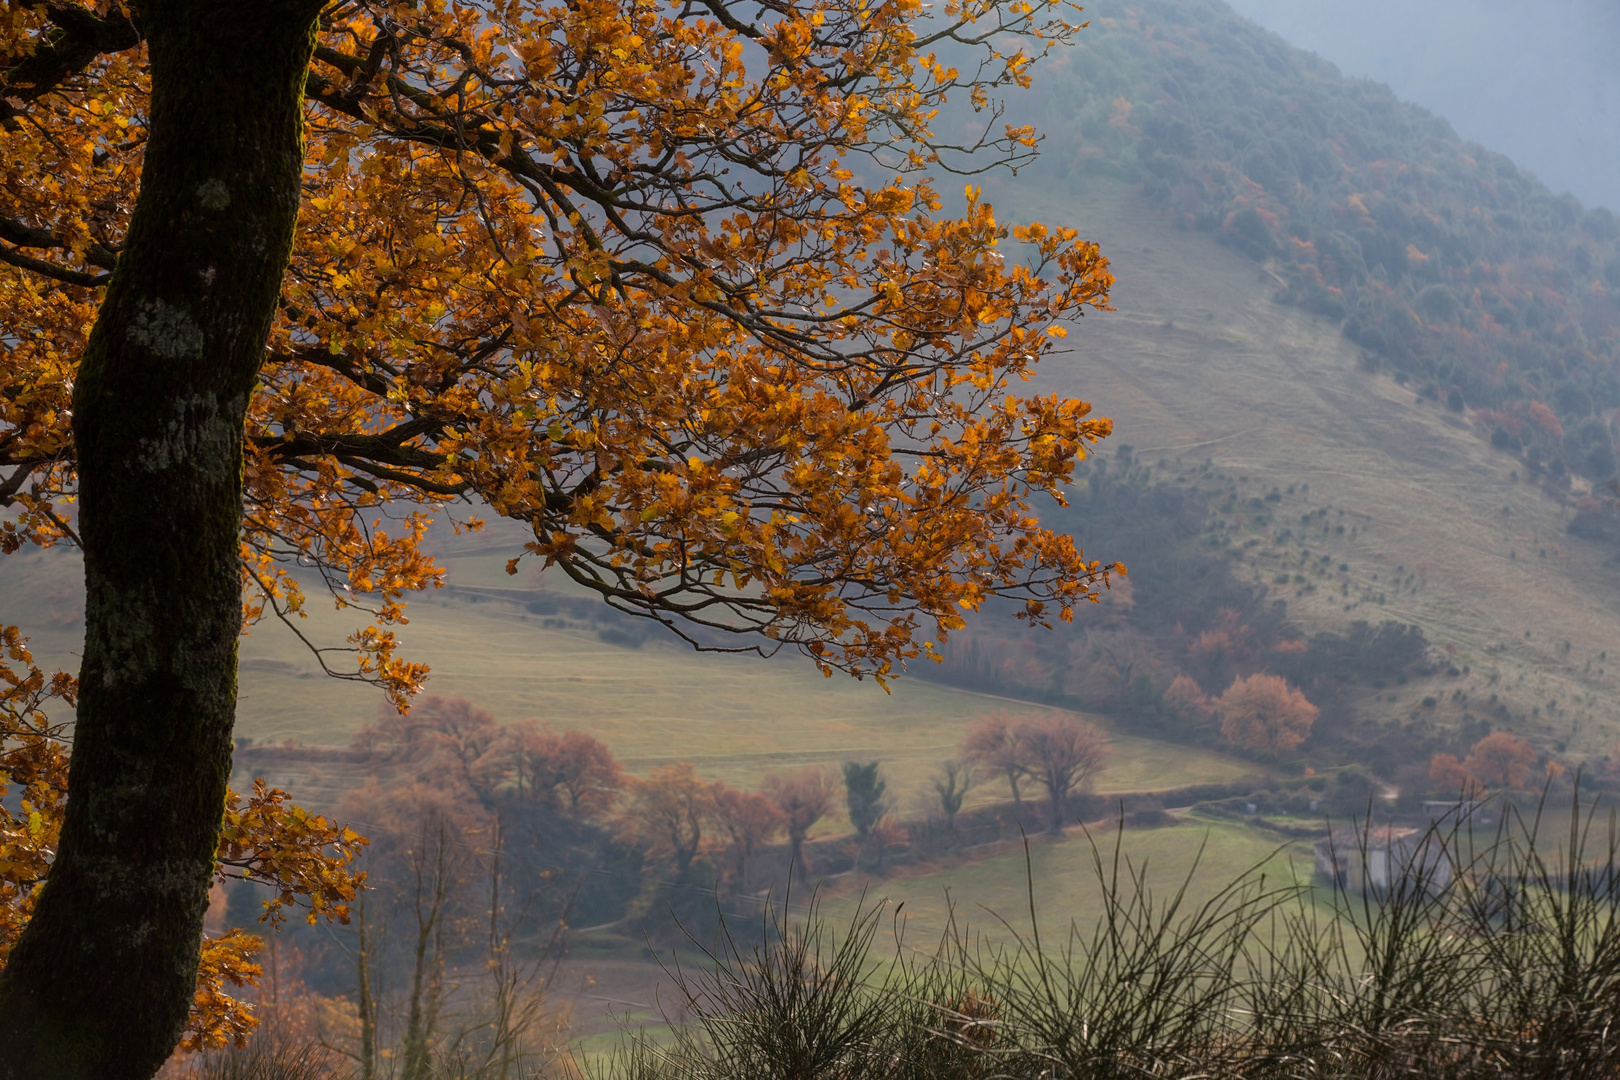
x: 101, y: 982
x: 367, y: 1006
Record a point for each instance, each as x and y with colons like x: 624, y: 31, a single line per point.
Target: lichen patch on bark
x: 213, y: 195
x: 165, y: 331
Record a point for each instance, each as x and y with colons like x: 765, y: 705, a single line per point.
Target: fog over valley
x: 1536, y: 82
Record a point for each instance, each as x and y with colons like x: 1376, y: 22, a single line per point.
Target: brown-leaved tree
x: 804, y: 798
x: 1186, y: 700
x: 748, y: 819
x: 574, y: 772
x: 992, y: 743
x: 664, y: 815
x: 1063, y: 753
x: 1263, y: 713
x: 1500, y: 760
x: 273, y: 273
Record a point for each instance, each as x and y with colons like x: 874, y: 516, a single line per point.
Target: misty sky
x: 1537, y: 80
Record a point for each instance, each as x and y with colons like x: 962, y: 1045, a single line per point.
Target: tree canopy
x: 283, y: 280
x: 1265, y: 714
x: 670, y: 288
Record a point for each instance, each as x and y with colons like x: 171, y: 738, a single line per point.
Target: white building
x: 1363, y: 859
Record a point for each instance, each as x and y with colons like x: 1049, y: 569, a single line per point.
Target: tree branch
x: 80, y: 37
x: 15, y: 232
x: 51, y: 270
x: 388, y: 448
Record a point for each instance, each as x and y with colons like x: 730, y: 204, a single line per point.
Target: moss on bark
x: 102, y: 980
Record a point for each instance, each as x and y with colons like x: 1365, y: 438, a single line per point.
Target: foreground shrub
x: 1482, y: 954
x: 1479, y: 954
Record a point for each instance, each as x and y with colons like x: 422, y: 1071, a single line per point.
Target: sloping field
x: 1200, y: 369
x: 1198, y: 366
x: 735, y: 717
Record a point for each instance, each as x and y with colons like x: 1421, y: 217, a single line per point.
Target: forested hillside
x: 1448, y: 265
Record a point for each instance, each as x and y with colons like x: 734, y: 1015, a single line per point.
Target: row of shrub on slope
x: 1441, y: 259
x: 1187, y: 610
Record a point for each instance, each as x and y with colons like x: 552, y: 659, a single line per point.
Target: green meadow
x: 990, y: 897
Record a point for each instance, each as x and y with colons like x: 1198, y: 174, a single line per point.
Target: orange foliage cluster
x: 1500, y: 760
x: 1544, y: 418
x: 1513, y: 425
x: 749, y: 819
x: 1187, y: 700
x: 667, y: 812
x: 265, y: 839
x: 572, y: 771
x: 34, y: 760
x: 459, y: 747
x: 1264, y: 713
x: 457, y: 761
x: 604, y: 267
x: 1228, y: 642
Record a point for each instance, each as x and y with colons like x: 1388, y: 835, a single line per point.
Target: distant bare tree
x: 1063, y: 753
x: 804, y: 797
x: 437, y: 865
x: 951, y: 783
x: 993, y: 744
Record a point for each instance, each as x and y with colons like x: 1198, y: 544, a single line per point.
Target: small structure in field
x: 1376, y: 859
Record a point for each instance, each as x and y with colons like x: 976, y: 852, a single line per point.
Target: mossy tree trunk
x: 102, y: 980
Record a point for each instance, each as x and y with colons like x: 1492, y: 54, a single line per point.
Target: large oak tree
x: 666, y: 284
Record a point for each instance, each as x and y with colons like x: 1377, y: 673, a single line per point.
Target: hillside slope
x: 1209, y: 376
x: 1450, y: 266
x: 1451, y: 55
x: 1372, y: 365
x: 525, y: 648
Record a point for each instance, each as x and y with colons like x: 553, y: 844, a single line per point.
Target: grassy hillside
x: 1210, y: 378
x: 991, y: 896
x: 653, y: 703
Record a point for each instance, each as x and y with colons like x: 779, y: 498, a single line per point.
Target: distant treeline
x: 1463, y: 275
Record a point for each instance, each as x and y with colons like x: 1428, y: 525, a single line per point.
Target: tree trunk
x: 101, y: 982
x: 796, y: 854
x: 367, y: 1006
